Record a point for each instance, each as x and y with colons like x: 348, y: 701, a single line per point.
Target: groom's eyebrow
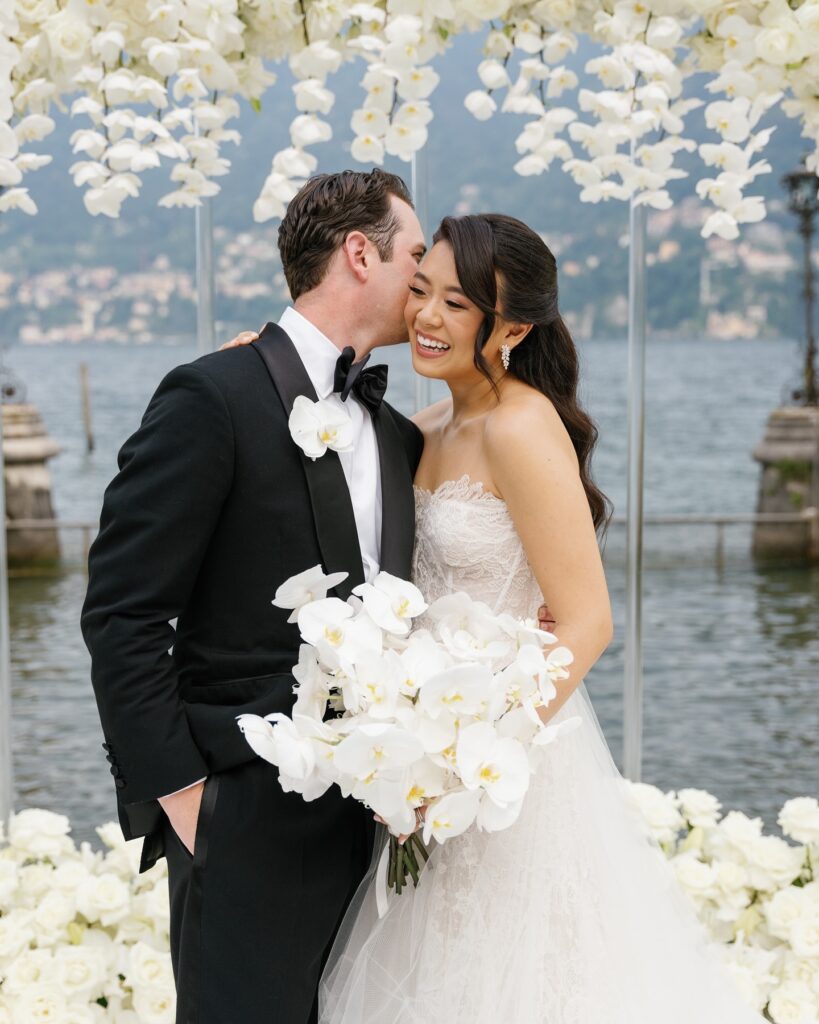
x: 449, y: 288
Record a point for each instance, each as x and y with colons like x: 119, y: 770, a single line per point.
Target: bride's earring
x: 505, y: 353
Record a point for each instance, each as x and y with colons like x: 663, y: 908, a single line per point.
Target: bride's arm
x: 535, y: 469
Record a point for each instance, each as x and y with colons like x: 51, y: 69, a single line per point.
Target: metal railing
x: 809, y: 517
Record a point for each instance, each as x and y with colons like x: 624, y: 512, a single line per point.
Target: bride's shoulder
x: 433, y: 416
x: 527, y: 418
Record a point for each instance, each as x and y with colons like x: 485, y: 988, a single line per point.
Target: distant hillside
x: 48, y: 290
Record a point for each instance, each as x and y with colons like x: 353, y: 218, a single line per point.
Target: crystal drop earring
x: 505, y: 354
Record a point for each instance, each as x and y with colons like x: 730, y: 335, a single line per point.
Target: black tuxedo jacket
x: 213, y: 507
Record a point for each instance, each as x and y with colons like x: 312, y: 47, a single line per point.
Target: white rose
x: 554, y: 12
x: 105, y: 899
x: 34, y: 11
x: 8, y: 882
x: 33, y: 967
x: 52, y: 915
x: 80, y: 971
x: 780, y: 44
x: 747, y: 984
x: 40, y: 833
x: 696, y: 877
x: 39, y: 1003
x: 736, y: 830
x: 799, y: 818
x: 35, y: 880
x: 480, y: 105
x: 773, y: 863
x: 68, y: 36
x: 699, y: 807
x: 148, y: 967
x: 805, y: 936
x: 795, y: 968
x: 155, y: 1006
x: 15, y: 933
x: 658, y: 809
x: 68, y: 876
x: 731, y: 876
x: 487, y: 10
x: 793, y: 1003
x: 784, y: 909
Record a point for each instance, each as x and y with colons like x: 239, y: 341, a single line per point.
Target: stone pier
x: 26, y: 450
x: 789, y: 482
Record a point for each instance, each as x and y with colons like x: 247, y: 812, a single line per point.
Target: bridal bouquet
x: 443, y: 715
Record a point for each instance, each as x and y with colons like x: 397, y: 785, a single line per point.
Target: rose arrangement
x: 442, y: 716
x: 84, y: 937
x: 155, y: 81
x: 758, y: 894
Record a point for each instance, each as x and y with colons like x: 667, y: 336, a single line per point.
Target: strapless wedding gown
x: 572, y: 915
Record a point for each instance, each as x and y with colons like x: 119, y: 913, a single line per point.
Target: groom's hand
x: 243, y: 338
x: 183, y: 813
x: 545, y: 618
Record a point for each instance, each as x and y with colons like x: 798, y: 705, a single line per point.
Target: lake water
x: 731, y: 650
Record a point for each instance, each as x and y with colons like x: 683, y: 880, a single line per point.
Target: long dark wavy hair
x: 503, y: 265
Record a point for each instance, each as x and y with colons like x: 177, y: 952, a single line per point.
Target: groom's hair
x: 325, y: 210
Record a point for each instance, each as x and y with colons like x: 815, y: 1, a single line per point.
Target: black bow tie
x: 368, y: 386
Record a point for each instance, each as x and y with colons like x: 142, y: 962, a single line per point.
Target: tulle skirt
x: 571, y: 916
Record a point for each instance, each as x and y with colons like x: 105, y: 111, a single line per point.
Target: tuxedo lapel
x: 329, y: 495
x: 397, y: 501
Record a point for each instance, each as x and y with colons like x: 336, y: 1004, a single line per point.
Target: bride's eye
x: 414, y: 290
x: 454, y: 305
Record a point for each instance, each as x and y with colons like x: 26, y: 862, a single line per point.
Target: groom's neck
x: 334, y: 316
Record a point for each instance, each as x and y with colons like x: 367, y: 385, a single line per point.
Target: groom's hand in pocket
x: 182, y: 809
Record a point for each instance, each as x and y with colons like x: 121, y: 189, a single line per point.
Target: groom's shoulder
x: 235, y: 373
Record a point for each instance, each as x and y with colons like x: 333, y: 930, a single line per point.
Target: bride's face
x: 441, y: 320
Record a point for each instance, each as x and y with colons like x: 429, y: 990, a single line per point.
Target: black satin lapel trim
x: 397, y: 500
x: 329, y: 495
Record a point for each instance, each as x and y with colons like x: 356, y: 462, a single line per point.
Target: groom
x: 213, y: 507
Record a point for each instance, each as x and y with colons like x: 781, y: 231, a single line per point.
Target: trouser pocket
x: 203, y: 822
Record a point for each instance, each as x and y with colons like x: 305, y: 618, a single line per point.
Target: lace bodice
x: 466, y: 540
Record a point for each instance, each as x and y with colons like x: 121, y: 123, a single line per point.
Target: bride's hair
x: 506, y: 267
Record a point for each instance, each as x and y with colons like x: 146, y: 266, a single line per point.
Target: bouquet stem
x: 404, y: 860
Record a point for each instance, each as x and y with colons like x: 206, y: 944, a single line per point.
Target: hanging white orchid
x: 190, y: 63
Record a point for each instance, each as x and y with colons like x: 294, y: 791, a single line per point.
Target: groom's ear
x: 356, y: 250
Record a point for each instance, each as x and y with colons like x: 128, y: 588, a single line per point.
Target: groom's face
x: 390, y: 279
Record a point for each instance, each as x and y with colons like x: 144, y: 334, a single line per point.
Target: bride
x: 572, y: 915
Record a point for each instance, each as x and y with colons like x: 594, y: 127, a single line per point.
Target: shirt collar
x: 315, y: 350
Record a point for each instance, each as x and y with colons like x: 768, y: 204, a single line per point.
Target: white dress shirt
x: 361, y: 467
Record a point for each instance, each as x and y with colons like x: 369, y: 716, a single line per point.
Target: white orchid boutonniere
x: 317, y: 426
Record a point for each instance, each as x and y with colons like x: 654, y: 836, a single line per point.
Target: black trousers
x: 255, y: 910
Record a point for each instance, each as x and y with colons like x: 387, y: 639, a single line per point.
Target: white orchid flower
x: 461, y: 690
x: 313, y: 689
x: 493, y: 817
x: 451, y: 815
x: 375, y: 748
x: 497, y: 765
x: 421, y: 659
x: 339, y: 638
x: 480, y: 104
x: 304, y: 587
x: 391, y: 603
x: 317, y: 426
x: 378, y: 680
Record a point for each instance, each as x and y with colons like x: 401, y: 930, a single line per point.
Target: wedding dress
x: 572, y: 915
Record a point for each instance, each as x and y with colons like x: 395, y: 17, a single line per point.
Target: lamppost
x: 802, y: 186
